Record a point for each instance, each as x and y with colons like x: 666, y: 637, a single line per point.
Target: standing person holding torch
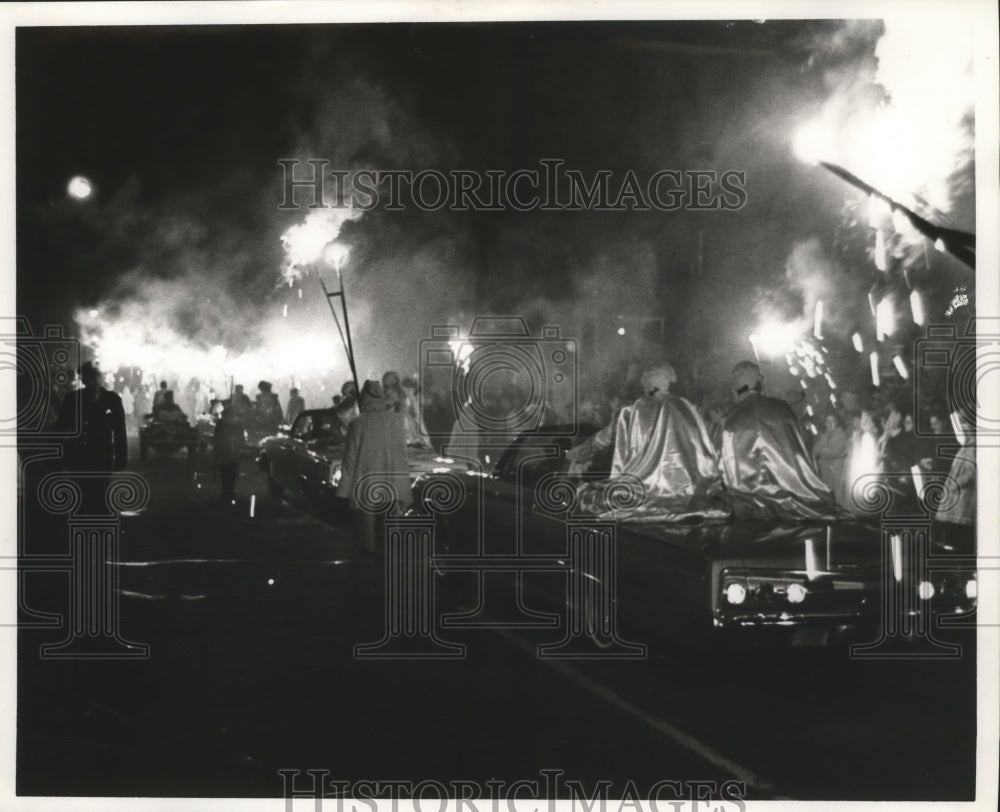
x: 374, y: 457
x: 227, y: 442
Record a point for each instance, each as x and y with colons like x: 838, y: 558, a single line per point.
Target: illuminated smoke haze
x: 898, y: 112
x: 200, y: 283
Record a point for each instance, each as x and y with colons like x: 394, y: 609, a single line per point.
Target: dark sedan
x: 306, y: 458
x: 167, y: 432
x: 734, y: 580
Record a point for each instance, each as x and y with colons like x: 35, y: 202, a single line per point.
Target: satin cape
x: 664, y: 467
x: 766, y: 467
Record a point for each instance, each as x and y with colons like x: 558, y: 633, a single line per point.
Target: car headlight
x: 796, y: 593
x: 736, y: 593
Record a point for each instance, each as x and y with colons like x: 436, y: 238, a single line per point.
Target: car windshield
x: 317, y: 426
x: 326, y: 425
x: 303, y: 426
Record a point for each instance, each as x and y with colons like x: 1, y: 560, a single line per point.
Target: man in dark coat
x: 347, y: 408
x: 227, y: 444
x: 240, y: 403
x: 296, y: 404
x: 97, y: 418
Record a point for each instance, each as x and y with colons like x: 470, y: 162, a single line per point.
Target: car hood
x: 842, y: 545
x: 424, y: 461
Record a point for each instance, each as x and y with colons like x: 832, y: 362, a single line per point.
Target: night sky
x: 180, y: 130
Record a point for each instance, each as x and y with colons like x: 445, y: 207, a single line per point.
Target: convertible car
x: 705, y: 576
x: 306, y: 458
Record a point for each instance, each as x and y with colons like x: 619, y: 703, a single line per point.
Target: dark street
x: 251, y: 627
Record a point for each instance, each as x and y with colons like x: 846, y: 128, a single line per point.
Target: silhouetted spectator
x: 98, y: 418
x: 240, y: 403
x: 956, y: 517
x: 347, y: 409
x: 296, y: 404
x: 268, y: 410
x: 158, y: 397
x: 142, y: 403
x: 167, y: 410
x: 227, y: 443
x: 830, y: 451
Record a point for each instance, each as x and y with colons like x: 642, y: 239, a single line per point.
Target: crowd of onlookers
x: 850, y: 441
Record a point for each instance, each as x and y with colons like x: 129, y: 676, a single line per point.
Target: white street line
x: 685, y: 740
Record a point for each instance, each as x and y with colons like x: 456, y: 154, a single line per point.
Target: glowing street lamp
x: 79, y: 188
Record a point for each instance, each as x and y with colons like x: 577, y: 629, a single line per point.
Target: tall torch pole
x: 345, y: 334
x: 347, y: 330
x: 959, y: 244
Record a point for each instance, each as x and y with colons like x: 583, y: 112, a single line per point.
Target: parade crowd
x: 878, y: 439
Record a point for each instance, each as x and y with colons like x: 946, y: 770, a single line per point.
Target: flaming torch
x: 335, y: 254
x: 959, y: 244
x: 312, y: 244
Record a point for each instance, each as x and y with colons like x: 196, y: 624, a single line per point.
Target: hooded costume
x: 663, y: 460
x: 765, y: 465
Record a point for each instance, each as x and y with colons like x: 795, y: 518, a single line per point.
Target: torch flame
x: 814, y: 142
x: 917, y: 307
x: 885, y: 318
x: 313, y: 240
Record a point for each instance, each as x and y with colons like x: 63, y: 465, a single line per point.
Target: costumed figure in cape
x: 765, y: 465
x: 661, y: 446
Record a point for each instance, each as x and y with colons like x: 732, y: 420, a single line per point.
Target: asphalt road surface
x: 251, y: 624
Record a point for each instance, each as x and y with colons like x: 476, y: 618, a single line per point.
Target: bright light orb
x: 796, y: 593
x: 774, y: 338
x: 736, y: 593
x: 335, y: 254
x: 79, y: 188
x: 813, y: 143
